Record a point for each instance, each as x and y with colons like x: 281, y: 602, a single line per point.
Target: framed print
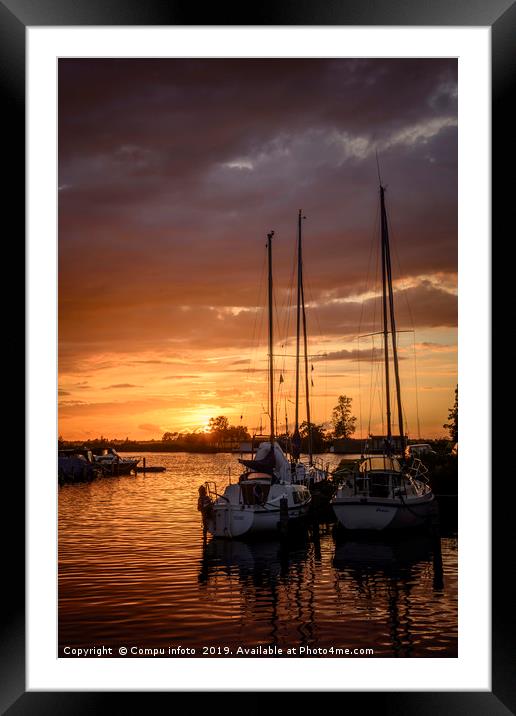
x: 258, y: 259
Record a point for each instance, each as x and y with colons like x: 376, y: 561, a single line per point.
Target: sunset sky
x: 171, y: 173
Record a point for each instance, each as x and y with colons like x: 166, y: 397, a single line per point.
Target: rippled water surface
x: 133, y: 571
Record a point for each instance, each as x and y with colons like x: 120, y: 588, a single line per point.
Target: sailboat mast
x: 301, y: 313
x: 393, y: 325
x: 384, y: 305
x: 307, y: 390
x: 271, y: 356
x: 298, y: 321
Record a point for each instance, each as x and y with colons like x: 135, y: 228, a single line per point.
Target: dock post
x: 144, y: 464
x: 283, y: 517
x: 315, y: 531
x: 435, y: 532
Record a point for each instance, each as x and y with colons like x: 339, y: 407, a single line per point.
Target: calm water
x: 133, y: 571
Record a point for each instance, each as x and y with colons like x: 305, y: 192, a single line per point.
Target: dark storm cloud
x: 423, y: 306
x: 172, y: 171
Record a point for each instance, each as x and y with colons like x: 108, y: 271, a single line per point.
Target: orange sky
x: 172, y: 172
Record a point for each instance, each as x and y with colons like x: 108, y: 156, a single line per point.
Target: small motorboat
x: 114, y: 464
x: 76, y: 465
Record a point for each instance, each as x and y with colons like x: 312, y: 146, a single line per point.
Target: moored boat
x: 383, y: 491
x: 266, y: 497
x: 263, y: 497
x: 76, y: 465
x: 113, y: 463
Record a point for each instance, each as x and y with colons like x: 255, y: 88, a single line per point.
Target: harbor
x: 258, y: 447
x: 136, y: 569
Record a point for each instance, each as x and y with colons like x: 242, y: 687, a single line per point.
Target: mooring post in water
x: 315, y: 531
x: 435, y: 533
x: 144, y: 464
x: 283, y: 517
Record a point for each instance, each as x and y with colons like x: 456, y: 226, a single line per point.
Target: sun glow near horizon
x: 140, y: 398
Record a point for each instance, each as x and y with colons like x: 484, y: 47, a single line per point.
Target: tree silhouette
x: 219, y: 425
x: 453, y: 417
x: 317, y: 434
x: 344, y: 424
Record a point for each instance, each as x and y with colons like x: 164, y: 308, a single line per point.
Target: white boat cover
x: 282, y: 465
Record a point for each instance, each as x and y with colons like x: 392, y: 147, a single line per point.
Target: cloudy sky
x: 171, y: 173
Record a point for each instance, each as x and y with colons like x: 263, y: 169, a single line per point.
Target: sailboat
x: 384, y: 491
x: 266, y: 495
x: 305, y: 472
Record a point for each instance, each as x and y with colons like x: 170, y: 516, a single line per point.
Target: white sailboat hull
x: 377, y: 514
x: 236, y: 521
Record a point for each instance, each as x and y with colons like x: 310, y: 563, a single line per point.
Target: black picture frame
x: 15, y: 17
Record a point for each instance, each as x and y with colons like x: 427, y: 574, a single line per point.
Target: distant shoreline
x: 157, y: 446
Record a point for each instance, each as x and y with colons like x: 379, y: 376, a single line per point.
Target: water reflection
x: 384, y: 574
x: 273, y: 579
x: 134, y: 569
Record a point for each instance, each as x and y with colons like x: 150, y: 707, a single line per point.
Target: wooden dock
x: 150, y: 468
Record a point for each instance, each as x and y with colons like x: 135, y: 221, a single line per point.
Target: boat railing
x: 371, y: 482
x: 319, y: 464
x: 211, y: 491
x: 418, y: 471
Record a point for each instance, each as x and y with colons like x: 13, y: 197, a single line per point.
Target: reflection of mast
x: 437, y: 563
x: 394, y: 618
x: 385, y: 573
x: 266, y: 573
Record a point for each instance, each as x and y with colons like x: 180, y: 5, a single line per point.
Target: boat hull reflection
x: 270, y: 558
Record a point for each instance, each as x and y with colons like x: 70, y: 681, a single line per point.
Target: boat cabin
x: 380, y: 443
x: 255, y: 488
x: 378, y: 476
x: 108, y: 452
x: 76, y: 453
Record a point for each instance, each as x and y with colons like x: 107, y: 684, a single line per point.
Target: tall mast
x: 307, y: 390
x: 271, y: 356
x: 298, y: 321
x: 385, y: 240
x: 393, y: 323
x: 296, y: 438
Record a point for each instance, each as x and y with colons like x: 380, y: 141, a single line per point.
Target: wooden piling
x: 435, y: 533
x: 283, y: 517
